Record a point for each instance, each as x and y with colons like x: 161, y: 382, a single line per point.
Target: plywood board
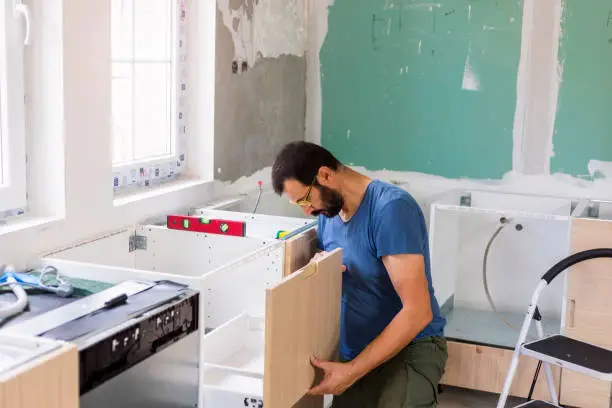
x: 302, y: 319
x: 49, y: 382
x: 299, y: 250
x: 579, y: 390
x: 485, y: 368
x: 589, y: 310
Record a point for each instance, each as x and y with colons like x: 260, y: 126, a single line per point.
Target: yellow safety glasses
x: 305, y: 202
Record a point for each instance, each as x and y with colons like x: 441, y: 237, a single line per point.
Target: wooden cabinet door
x: 589, y: 311
x: 299, y: 250
x: 302, y: 319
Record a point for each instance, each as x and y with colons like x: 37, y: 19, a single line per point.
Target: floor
x: 459, y: 398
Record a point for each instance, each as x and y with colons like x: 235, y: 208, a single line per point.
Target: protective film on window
x: 149, y: 72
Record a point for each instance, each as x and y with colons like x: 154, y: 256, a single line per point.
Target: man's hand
x: 337, y: 377
x: 319, y: 255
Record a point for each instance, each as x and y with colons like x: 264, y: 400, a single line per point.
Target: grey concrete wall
x: 256, y: 111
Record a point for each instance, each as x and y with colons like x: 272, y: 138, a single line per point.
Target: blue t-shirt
x: 388, y: 221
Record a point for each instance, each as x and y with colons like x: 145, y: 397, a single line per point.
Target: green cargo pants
x: 409, y: 380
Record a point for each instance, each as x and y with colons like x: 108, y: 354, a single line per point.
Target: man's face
x: 314, y: 199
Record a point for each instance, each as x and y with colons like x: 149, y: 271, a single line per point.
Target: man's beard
x: 332, y: 202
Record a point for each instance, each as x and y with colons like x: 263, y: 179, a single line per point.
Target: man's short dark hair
x: 300, y: 161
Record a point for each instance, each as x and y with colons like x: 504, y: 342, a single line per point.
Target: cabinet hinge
x: 138, y: 242
x: 593, y: 210
x: 466, y: 200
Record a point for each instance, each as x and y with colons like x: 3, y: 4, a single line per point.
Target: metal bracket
x: 253, y: 402
x: 138, y: 242
x: 593, y: 210
x: 465, y: 200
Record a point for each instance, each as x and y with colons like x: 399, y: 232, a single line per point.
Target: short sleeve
x: 319, y: 229
x: 399, y: 229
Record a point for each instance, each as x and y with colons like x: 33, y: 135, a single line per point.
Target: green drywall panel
x: 393, y: 76
x: 583, y: 125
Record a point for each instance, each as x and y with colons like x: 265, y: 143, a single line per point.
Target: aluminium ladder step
x: 572, y: 354
x: 537, y: 404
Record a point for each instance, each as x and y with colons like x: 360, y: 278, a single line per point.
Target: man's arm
x: 399, y: 235
x: 407, y: 272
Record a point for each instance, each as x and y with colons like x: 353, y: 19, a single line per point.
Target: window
x: 148, y: 45
x: 12, y: 106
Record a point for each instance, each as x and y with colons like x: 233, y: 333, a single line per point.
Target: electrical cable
x: 258, y: 196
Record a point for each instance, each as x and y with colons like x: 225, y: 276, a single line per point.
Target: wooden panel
x: 589, y: 310
x: 299, y: 250
x: 69, y: 379
x: 578, y: 390
x: 302, y: 319
x: 50, y: 382
x: 485, y: 369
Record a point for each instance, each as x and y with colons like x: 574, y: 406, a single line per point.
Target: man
x: 392, y: 348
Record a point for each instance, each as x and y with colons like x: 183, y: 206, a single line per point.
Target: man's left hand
x: 337, y: 377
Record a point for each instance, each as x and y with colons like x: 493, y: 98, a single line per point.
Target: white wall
x: 69, y: 139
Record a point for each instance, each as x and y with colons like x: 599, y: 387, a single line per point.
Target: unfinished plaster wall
x: 260, y: 91
x: 528, y: 145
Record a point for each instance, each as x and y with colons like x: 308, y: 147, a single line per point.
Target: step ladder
x: 558, y: 350
x: 536, y: 404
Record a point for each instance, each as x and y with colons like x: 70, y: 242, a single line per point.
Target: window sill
x: 143, y: 193
x: 28, y: 222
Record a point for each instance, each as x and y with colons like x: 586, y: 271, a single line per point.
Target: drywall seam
x: 265, y: 28
x: 537, y: 87
x: 318, y: 11
x: 523, y: 87
x: 555, y: 78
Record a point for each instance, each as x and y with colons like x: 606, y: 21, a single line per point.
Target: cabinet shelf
x: 485, y: 327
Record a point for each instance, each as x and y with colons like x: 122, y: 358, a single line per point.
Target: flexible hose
x: 484, y: 277
x: 17, y: 307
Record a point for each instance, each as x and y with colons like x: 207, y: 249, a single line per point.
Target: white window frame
x: 12, y: 110
x: 149, y: 172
